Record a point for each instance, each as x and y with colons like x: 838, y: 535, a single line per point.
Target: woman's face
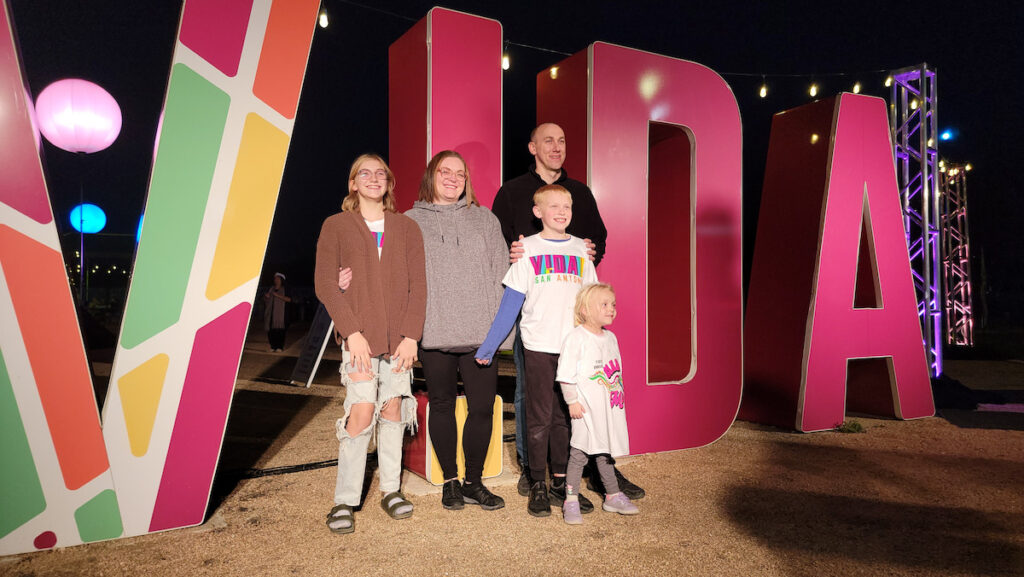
x: 277, y: 281
x: 450, y: 181
x: 371, y: 181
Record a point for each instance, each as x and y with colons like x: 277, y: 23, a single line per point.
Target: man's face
x: 548, y: 147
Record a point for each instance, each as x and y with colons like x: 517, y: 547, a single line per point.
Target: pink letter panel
x: 444, y: 78
x: 634, y: 99
x: 830, y: 182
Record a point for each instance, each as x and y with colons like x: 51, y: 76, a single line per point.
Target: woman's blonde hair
x: 351, y: 202
x: 583, y: 300
x: 427, y: 191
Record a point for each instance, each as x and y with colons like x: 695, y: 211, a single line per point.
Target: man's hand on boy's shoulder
x: 516, y: 251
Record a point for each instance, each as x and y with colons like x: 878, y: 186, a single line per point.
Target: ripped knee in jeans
x: 406, y: 412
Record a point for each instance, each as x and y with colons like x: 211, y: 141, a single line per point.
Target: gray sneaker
x: 620, y: 503
x: 571, y: 513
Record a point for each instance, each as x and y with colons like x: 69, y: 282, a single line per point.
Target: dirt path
x: 922, y: 497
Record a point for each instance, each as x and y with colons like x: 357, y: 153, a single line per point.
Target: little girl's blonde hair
x: 583, y: 300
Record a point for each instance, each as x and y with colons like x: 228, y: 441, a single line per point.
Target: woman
x: 466, y: 259
x: 380, y: 316
x: 273, y: 313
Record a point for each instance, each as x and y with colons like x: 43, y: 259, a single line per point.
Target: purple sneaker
x: 620, y: 503
x: 571, y: 513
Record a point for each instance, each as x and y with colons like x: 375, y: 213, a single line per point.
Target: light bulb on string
x: 968, y: 167
x: 813, y: 91
x: 856, y: 87
x: 505, y: 62
x: 913, y: 104
x: 888, y: 81
x: 323, y: 18
x: 764, y: 87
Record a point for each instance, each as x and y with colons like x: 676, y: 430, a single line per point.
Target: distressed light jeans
x: 383, y: 386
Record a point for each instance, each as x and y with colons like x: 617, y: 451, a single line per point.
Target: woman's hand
x: 404, y: 356
x: 576, y: 410
x: 344, y: 278
x: 359, y: 352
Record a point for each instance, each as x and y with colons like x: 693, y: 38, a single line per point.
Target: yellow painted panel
x: 140, y: 391
x: 492, y: 463
x: 252, y: 198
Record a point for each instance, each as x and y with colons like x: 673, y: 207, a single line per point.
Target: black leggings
x: 441, y: 371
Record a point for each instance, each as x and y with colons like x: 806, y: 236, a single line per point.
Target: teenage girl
x: 380, y: 316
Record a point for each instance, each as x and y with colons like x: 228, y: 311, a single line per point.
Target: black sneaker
x: 451, y: 495
x: 557, y: 497
x: 631, y: 490
x: 523, y: 486
x: 539, y: 505
x: 478, y: 494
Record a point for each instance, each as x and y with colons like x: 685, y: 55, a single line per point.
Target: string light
x: 505, y: 63
x: 813, y: 90
x: 968, y: 167
x: 814, y: 138
x: 913, y: 104
x: 856, y: 87
x: 764, y: 91
x: 888, y: 81
x: 323, y: 18
x: 554, y: 72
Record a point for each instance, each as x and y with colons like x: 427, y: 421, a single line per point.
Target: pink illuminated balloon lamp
x: 78, y: 116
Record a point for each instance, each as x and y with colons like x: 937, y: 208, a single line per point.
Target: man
x: 513, y: 205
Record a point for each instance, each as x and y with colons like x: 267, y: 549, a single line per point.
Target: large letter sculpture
x: 663, y: 158
x: 832, y: 317
x: 235, y: 80
x: 444, y: 80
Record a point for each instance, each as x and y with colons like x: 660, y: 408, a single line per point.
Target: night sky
x: 975, y: 47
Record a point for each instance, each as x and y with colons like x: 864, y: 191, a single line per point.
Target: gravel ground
x: 923, y: 497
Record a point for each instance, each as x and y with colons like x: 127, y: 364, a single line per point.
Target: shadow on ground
x: 258, y: 420
x: 796, y: 512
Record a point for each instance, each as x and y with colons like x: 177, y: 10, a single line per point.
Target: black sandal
x: 397, y: 500
x: 345, y: 515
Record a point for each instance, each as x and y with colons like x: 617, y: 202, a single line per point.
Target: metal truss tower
x: 912, y: 117
x: 956, y: 263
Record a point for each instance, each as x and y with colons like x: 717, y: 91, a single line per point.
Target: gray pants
x: 574, y: 472
x: 383, y: 386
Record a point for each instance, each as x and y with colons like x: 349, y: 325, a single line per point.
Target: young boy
x: 544, y: 284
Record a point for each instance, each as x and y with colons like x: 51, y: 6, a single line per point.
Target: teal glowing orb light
x: 88, y: 218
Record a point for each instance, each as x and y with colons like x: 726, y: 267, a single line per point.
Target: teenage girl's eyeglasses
x: 446, y: 173
x: 366, y: 174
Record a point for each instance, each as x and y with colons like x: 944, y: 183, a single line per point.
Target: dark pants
x: 547, y: 416
x: 441, y: 371
x: 276, y: 338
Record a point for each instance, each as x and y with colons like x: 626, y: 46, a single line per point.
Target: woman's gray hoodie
x: 466, y: 258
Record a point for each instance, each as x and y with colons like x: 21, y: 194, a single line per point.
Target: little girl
x: 590, y: 374
x: 380, y: 315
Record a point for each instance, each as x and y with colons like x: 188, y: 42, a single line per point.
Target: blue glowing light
x: 946, y: 134
x: 138, y: 231
x: 88, y: 218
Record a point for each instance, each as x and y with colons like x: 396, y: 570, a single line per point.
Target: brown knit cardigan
x: 387, y: 298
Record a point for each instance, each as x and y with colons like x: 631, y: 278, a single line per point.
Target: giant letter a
x: 831, y: 316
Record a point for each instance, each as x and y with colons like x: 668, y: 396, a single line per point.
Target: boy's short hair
x: 583, y: 300
x: 547, y: 188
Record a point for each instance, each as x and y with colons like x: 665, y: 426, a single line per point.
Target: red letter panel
x: 831, y: 282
